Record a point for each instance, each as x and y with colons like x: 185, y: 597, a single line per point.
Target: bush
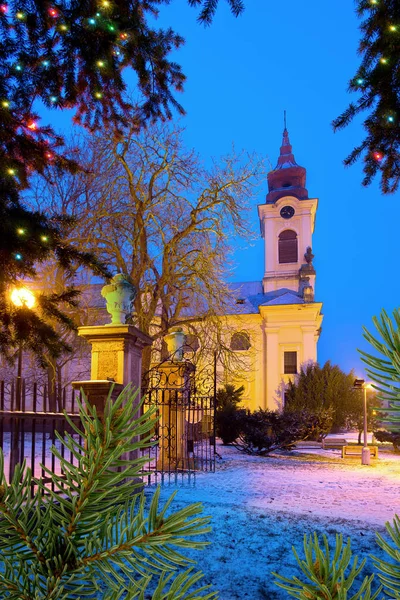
x: 389, y: 436
x: 264, y: 431
x: 227, y: 418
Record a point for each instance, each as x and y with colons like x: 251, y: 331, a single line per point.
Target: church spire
x: 288, y: 178
x: 286, y: 158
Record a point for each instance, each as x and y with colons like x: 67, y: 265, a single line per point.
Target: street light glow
x: 23, y: 297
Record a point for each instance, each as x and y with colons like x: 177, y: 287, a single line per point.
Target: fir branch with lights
x: 70, y: 54
x: 377, y: 83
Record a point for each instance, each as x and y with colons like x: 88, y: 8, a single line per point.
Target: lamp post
x: 366, y: 453
x: 21, y: 297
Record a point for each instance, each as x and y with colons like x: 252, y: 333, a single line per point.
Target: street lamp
x: 21, y: 297
x: 366, y: 453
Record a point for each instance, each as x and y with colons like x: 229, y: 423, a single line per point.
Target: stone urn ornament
x: 175, y: 341
x: 119, y: 295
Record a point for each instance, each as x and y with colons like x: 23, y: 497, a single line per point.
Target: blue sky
x: 295, y: 56
x: 299, y: 56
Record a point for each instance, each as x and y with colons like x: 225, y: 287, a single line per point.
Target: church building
x: 276, y: 321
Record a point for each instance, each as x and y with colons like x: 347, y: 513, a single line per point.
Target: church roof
x: 248, y: 296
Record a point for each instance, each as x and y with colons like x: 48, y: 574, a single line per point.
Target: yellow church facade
x: 274, y: 324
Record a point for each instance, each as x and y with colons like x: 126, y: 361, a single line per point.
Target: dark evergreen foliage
x: 317, y: 388
x: 263, y: 431
x: 70, y: 54
x: 377, y: 83
x: 228, y: 415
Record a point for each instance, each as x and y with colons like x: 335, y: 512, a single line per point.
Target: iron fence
x: 29, y: 432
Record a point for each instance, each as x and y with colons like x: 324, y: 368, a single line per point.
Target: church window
x: 290, y: 363
x: 240, y: 341
x: 287, y: 247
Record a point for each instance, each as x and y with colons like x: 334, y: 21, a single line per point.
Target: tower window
x: 240, y: 341
x: 287, y: 247
x: 290, y: 363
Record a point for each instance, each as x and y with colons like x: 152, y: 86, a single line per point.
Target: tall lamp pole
x: 21, y: 297
x: 366, y: 452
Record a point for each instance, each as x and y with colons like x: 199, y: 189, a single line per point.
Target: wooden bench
x: 305, y: 444
x: 333, y: 443
x: 357, y: 451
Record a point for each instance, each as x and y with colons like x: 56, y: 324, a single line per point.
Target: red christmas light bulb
x: 378, y: 156
x: 53, y: 12
x: 3, y: 8
x: 49, y: 155
x: 32, y: 125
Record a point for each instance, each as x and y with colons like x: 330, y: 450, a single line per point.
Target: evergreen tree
x: 318, y: 388
x: 69, y: 54
x: 377, y: 82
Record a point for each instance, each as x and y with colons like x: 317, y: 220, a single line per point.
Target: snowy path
x: 323, y: 485
x: 260, y: 507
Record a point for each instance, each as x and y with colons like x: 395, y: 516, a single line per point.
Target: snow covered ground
x: 261, y: 506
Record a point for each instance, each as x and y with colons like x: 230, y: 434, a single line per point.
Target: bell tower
x: 287, y: 221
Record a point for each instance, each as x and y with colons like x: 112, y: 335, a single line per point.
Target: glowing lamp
x: 4, y: 8
x: 98, y: 95
x: 378, y: 156
x: 105, y: 4
x: 11, y: 171
x: 20, y: 231
x: 20, y: 15
x: 383, y: 60
x: 390, y: 119
x: 63, y: 27
x: 32, y: 126
x: 92, y: 21
x: 18, y: 68
x: 53, y: 12
x: 5, y: 104
x: 100, y: 63
x: 393, y: 28
x: 53, y: 98
x: 44, y: 238
x: 23, y: 297
x: 360, y: 81
x: 49, y: 155
x: 124, y: 36
x: 45, y: 63
x: 18, y: 256
x: 111, y: 27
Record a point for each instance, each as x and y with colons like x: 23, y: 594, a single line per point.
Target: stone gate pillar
x: 173, y: 384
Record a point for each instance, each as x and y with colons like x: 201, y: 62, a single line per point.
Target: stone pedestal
x: 174, y: 385
x: 96, y: 392
x: 116, y: 357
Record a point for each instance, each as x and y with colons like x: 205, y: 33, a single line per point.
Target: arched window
x: 287, y: 246
x: 240, y: 341
x: 192, y: 343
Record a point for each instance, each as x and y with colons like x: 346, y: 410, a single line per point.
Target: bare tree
x: 149, y: 208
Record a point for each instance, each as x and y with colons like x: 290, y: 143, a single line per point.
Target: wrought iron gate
x: 183, y: 440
